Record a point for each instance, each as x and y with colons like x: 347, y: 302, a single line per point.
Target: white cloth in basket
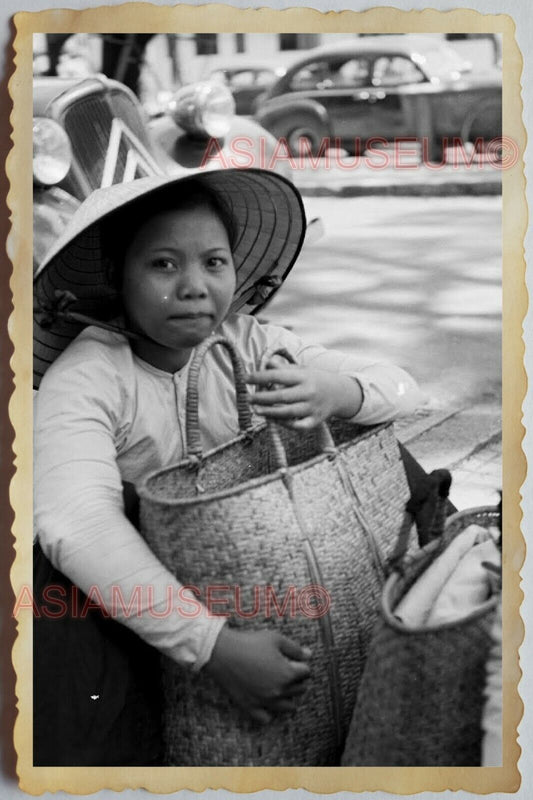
x: 455, y: 584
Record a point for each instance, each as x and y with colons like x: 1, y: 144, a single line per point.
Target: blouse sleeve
x: 80, y: 517
x: 388, y: 391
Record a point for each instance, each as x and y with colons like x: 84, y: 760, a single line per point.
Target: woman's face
x: 178, y: 282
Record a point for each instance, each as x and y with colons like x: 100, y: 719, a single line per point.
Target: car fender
x: 483, y: 119
x: 247, y: 144
x: 290, y: 105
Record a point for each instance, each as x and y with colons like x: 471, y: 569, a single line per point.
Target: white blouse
x: 104, y: 416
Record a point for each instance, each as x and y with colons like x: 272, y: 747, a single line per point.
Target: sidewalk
x: 396, y: 173
x: 467, y: 441
x: 403, y: 266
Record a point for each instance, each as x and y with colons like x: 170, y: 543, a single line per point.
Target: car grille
x: 108, y: 139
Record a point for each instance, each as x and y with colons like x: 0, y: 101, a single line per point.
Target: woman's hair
x: 118, y: 229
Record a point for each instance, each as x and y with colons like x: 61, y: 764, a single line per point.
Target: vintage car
x: 384, y: 87
x: 94, y: 132
x: 247, y: 82
x: 248, y: 76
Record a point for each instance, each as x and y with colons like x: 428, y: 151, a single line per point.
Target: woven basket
x: 421, y: 696
x: 275, y: 508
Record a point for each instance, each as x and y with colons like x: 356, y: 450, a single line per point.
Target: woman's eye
x: 216, y: 262
x: 163, y: 264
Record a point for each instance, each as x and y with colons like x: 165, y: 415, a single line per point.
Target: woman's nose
x: 191, y: 283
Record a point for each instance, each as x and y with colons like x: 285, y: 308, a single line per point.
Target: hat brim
x: 269, y: 227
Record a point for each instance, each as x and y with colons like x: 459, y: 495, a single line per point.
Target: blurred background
x: 162, y: 61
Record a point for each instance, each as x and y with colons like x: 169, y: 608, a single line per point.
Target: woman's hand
x: 262, y: 671
x: 302, y: 398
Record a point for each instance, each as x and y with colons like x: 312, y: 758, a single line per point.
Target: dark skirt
x: 96, y: 685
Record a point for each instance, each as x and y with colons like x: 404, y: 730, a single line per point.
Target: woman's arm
x: 380, y: 391
x: 303, y: 397
x: 80, y: 520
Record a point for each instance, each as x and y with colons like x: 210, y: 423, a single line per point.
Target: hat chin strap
x: 260, y: 291
x: 59, y: 309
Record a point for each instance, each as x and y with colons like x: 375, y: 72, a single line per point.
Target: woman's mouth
x: 191, y: 315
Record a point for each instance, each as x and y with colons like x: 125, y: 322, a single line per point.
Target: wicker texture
x: 255, y: 525
x: 421, y: 696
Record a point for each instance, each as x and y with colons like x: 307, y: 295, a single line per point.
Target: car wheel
x: 305, y: 138
x: 301, y: 131
x: 483, y: 125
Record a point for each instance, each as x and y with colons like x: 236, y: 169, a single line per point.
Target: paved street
x: 416, y: 280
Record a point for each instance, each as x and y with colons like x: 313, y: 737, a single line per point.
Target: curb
x: 448, y: 189
x: 467, y: 441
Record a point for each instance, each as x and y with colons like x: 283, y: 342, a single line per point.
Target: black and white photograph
x: 268, y: 495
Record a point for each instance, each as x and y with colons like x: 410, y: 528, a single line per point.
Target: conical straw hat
x: 268, y: 221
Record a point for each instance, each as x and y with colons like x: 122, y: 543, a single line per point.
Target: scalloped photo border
x: 144, y: 17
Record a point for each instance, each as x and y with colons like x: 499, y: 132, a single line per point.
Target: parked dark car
x: 248, y: 76
x: 94, y: 132
x: 247, y: 84
x: 391, y: 87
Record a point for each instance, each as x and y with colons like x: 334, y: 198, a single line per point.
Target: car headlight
x: 52, y: 154
x: 203, y: 109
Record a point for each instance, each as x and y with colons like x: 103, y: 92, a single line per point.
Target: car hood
x: 46, y: 89
x: 488, y: 77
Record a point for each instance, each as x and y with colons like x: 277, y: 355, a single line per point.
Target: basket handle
x: 325, y: 439
x: 192, y: 425
x: 327, y: 445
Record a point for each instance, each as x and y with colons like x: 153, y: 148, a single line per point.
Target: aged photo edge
x: 77, y: 780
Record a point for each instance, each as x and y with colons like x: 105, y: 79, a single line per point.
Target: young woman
x: 167, y: 261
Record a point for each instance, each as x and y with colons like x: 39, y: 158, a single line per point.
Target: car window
x: 265, y: 77
x: 245, y: 77
x: 323, y: 75
x: 310, y: 76
x: 219, y: 76
x: 395, y: 71
x: 352, y: 74
x: 251, y: 77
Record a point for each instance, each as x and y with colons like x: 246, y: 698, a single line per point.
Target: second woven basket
x: 421, y: 696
